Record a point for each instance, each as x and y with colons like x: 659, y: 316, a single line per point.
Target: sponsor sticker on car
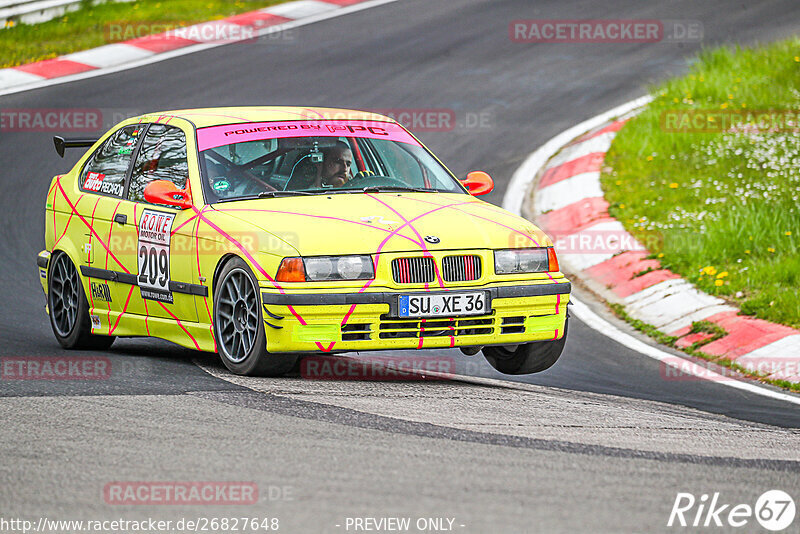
x: 94, y: 181
x: 155, y: 228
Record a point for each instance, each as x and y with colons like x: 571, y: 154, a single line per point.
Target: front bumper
x: 352, y: 321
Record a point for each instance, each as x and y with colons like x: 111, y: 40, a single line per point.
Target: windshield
x: 265, y: 160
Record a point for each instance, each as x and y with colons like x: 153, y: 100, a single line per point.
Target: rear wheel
x: 69, y: 309
x: 239, y: 327
x: 526, y: 358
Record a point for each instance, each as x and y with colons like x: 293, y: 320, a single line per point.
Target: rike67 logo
x: 774, y: 510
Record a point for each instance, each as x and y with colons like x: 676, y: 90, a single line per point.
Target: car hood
x: 366, y: 223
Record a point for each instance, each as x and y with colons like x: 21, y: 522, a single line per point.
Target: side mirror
x: 478, y: 183
x: 165, y: 192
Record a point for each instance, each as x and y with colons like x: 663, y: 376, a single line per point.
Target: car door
x: 163, y: 234
x: 108, y: 258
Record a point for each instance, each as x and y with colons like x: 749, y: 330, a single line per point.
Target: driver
x: 336, y: 163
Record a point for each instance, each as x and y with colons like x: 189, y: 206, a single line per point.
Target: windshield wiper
x: 381, y: 188
x: 272, y: 194
x: 266, y: 194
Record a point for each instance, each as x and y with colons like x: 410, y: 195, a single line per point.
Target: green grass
x: 88, y: 27
x: 725, y: 205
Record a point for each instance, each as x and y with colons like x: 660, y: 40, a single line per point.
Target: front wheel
x: 526, y: 358
x: 69, y: 309
x: 239, y: 327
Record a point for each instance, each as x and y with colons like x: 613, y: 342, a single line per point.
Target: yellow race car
x: 266, y: 233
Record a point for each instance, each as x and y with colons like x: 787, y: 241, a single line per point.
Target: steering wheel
x: 368, y: 180
x: 248, y: 184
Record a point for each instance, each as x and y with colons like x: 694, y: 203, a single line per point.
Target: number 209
x: 154, y: 265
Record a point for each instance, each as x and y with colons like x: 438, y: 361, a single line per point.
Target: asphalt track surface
x: 601, y: 442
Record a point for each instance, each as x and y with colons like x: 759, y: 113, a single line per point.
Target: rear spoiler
x: 62, y: 144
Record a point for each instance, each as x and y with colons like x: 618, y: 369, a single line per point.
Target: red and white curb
x: 154, y: 48
x: 568, y: 204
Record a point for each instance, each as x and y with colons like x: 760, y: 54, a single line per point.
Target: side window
x: 161, y: 157
x: 105, y: 170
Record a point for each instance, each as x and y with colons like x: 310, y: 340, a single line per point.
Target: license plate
x: 443, y: 304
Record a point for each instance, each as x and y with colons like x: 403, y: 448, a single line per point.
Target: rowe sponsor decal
x: 153, y: 253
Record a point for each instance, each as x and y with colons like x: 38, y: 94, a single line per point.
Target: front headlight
x: 528, y: 260
x: 322, y: 268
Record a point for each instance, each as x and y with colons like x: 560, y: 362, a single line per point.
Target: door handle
x: 121, y: 218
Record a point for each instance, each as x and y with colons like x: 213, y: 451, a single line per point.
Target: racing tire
x: 526, y: 358
x: 239, y: 325
x: 69, y: 309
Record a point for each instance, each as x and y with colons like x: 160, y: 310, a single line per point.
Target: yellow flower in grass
x: 710, y: 270
x: 730, y: 97
x: 718, y: 282
x: 797, y: 58
x: 747, y: 251
x: 622, y: 206
x: 660, y: 254
x: 649, y: 158
x: 618, y: 182
x: 723, y: 105
x: 770, y: 249
x: 787, y: 233
x: 744, y: 105
x: 673, y: 185
x: 723, y: 274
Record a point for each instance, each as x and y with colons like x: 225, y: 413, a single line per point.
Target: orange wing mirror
x: 165, y: 192
x: 478, y: 183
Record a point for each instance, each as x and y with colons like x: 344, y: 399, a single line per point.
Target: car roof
x: 204, y: 117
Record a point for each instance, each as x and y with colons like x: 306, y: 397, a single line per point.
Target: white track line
x: 338, y: 12
x: 518, y: 190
